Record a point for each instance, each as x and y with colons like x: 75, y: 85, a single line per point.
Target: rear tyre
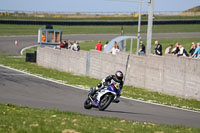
x: 87, y: 104
x: 105, y: 102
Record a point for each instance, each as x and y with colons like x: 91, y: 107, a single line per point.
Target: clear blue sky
x: 95, y: 5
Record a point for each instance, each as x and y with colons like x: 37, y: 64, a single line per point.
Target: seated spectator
x: 99, y: 46
x: 66, y: 44
x: 142, y: 49
x: 75, y: 46
x: 192, y: 49
x: 62, y: 45
x: 69, y: 44
x: 175, y: 50
x: 114, y: 49
x: 158, y: 48
x: 197, y: 51
x: 168, y: 49
x: 182, y: 51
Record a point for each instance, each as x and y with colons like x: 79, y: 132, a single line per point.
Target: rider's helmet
x: 118, y: 76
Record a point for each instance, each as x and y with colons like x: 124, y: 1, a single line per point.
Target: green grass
x: 30, y: 50
x: 86, y: 82
x: 17, y: 119
x: 9, y: 29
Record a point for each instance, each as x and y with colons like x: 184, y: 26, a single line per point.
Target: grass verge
x: 11, y: 29
x: 17, y: 119
x: 86, y: 82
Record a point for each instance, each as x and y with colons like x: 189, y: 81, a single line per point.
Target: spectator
x: 168, y: 49
x: 99, y: 46
x: 75, y: 46
x: 182, y: 51
x: 43, y: 38
x: 114, y: 49
x: 105, y: 44
x: 192, y: 49
x: 142, y: 49
x: 69, y: 44
x: 158, y: 48
x: 62, y: 45
x: 197, y: 51
x: 66, y: 44
x: 175, y: 50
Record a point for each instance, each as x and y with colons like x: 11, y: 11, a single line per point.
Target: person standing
x: 43, y: 38
x: 114, y: 49
x: 99, y: 46
x: 158, y: 48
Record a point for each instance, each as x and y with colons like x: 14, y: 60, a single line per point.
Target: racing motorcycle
x: 101, y: 98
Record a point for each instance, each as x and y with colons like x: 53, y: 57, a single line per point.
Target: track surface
x: 7, y: 43
x: 23, y: 89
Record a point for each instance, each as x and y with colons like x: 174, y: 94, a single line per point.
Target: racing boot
x: 116, y: 100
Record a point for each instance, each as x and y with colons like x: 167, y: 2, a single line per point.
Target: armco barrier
x: 169, y: 74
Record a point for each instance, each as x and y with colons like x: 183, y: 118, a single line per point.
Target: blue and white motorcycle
x: 103, y: 97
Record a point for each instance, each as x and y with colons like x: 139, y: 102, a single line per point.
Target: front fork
x: 94, y: 102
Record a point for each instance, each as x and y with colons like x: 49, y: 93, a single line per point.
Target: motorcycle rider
x: 117, y: 78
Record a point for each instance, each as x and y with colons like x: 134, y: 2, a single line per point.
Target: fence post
x: 87, y: 72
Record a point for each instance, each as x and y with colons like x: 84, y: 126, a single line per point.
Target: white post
x: 150, y: 23
x: 131, y: 47
x: 139, y: 25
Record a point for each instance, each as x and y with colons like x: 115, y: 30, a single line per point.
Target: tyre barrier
x: 87, y: 23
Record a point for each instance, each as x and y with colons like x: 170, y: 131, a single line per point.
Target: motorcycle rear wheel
x: 87, y: 104
x: 105, y: 102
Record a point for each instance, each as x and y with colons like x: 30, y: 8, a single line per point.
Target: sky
x: 96, y: 6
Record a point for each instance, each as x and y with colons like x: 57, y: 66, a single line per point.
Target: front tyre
x: 105, y: 102
x: 88, y: 104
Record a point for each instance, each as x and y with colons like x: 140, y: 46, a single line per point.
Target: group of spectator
x: 114, y: 49
x: 69, y: 45
x: 178, y: 50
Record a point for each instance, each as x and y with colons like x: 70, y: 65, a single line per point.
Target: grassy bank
x: 9, y: 29
x: 86, y: 82
x: 17, y: 119
x: 93, y: 17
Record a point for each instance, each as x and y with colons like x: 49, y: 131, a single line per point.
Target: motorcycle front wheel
x: 105, y: 102
x: 88, y: 104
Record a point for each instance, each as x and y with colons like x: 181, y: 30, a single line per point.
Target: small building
x: 49, y: 36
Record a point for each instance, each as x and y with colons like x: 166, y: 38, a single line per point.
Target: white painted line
x: 21, y: 52
x: 58, y: 82
x: 13, y: 74
x: 19, y: 36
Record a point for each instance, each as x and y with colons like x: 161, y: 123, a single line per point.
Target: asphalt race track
x: 27, y: 90
x: 24, y: 89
